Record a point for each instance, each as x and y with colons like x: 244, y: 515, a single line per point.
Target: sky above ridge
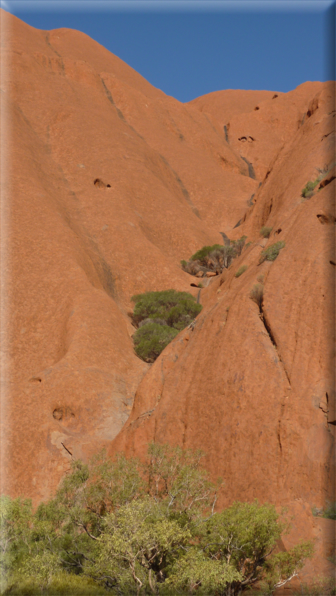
x: 191, y: 48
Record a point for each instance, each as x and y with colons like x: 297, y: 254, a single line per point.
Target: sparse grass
x: 271, y: 253
x: 241, y: 270
x: 257, y: 294
x: 265, y: 232
x: 260, y: 278
x: 200, y: 285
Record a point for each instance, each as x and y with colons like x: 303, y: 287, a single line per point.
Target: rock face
x: 108, y: 184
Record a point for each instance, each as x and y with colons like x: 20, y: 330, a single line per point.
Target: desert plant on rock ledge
x: 265, y: 232
x: 271, y: 252
x: 214, y: 258
x: 159, y: 317
x: 241, y: 270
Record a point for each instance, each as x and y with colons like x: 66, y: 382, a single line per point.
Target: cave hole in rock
x: 278, y: 231
x: 333, y: 422
x: 100, y: 184
x: 35, y: 380
x: 256, y: 108
x: 332, y: 263
x: 326, y: 218
x: 326, y: 181
x: 242, y: 139
x: 60, y: 413
x: 275, y: 96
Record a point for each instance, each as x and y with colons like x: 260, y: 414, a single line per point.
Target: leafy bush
x: 151, y: 339
x: 160, y: 316
x: 271, y: 253
x: 308, y: 190
x: 241, y: 270
x: 257, y: 294
x: 215, y: 257
x: 178, y: 309
x: 127, y: 528
x: 330, y: 511
x: 204, y: 252
x: 265, y: 232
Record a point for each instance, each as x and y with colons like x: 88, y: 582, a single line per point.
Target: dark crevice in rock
x: 225, y: 238
x: 251, y: 172
x: 279, y: 437
x: 326, y: 181
x: 53, y: 49
x: 66, y: 449
x: 271, y: 336
x: 183, y: 188
x: 226, y: 134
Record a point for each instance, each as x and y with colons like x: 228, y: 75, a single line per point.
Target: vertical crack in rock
x: 111, y: 100
x: 183, y: 188
x: 53, y: 49
x: 119, y: 112
x: 267, y: 326
x: 66, y: 449
x: 279, y: 435
x: 226, y: 134
x: 251, y: 171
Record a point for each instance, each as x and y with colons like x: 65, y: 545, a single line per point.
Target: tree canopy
x: 126, y: 527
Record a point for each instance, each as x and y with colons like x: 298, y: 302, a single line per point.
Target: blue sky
x: 191, y: 48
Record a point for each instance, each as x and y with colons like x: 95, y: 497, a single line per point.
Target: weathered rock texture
x: 108, y: 184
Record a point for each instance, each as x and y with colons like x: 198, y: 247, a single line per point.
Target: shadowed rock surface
x: 108, y: 184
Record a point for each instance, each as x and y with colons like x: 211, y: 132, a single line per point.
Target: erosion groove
x: 267, y: 326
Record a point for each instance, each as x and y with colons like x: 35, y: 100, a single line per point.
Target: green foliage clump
x: 160, y: 316
x: 126, y: 527
x: 241, y: 270
x: 214, y: 258
x: 178, y: 309
x: 151, y: 339
x: 265, y: 232
x: 271, y: 253
x: 204, y: 252
x: 330, y: 511
x: 308, y: 190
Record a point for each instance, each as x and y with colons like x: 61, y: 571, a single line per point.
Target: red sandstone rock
x: 109, y: 184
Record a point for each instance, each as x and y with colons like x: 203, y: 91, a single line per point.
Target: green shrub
x: 257, y: 294
x: 177, y: 308
x: 151, y: 339
x: 241, y: 270
x: 265, y: 232
x: 308, y: 190
x: 204, y: 252
x: 160, y: 316
x: 330, y: 511
x: 184, y: 263
x: 271, y: 253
